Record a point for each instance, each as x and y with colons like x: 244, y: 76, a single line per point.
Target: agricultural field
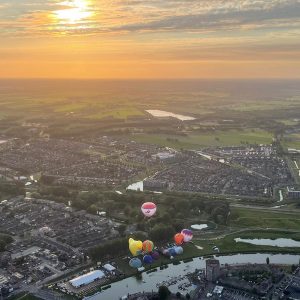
x: 216, y: 138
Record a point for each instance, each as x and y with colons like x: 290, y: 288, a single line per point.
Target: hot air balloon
x: 135, y: 263
x: 178, y: 250
x: 178, y: 238
x: 147, y: 259
x: 172, y: 252
x: 155, y: 255
x: 148, y: 209
x: 148, y: 246
x: 135, y: 247
x: 187, y: 235
x: 166, y: 252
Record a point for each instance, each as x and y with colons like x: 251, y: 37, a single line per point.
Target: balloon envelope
x: 187, y: 235
x: 148, y: 246
x: 135, y: 247
x: 178, y: 238
x: 178, y: 250
x: 172, y: 252
x: 135, y: 263
x: 147, y: 259
x: 166, y: 252
x: 148, y: 209
x: 155, y: 255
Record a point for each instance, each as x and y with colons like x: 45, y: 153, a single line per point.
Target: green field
x: 216, y: 138
x: 263, y: 219
x: 292, y: 141
x: 266, y: 105
x: 289, y: 122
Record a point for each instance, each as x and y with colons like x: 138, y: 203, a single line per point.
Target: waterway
x: 163, y: 114
x: 149, y: 282
x: 281, y: 242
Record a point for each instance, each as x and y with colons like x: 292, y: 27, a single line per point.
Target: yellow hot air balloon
x: 135, y: 247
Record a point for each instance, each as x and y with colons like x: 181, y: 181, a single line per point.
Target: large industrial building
x: 87, y: 278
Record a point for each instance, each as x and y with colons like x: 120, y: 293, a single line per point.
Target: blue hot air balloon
x: 147, y: 259
x: 135, y: 263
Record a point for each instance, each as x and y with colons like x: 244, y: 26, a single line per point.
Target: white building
x: 87, y: 278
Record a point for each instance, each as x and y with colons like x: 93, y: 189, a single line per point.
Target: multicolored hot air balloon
x: 187, y: 235
x: 147, y: 259
x: 148, y: 209
x: 148, y: 246
x: 135, y: 247
x: 178, y: 238
x: 135, y: 263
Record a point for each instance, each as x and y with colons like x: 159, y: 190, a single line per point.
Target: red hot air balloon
x: 178, y: 238
x: 148, y: 209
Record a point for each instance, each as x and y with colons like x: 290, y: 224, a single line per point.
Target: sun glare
x: 77, y: 12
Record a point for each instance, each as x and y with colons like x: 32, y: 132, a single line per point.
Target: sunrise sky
x: 150, y: 38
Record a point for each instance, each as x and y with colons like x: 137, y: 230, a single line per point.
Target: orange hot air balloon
x: 179, y: 238
x: 148, y: 246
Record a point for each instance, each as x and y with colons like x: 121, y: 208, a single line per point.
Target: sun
x: 77, y: 12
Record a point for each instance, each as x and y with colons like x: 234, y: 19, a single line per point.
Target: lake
x: 165, y: 114
x: 282, y: 242
x: 150, y: 281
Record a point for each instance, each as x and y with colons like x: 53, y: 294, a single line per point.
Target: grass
x: 226, y: 245
x: 122, y: 113
x: 291, y: 141
x: 216, y: 138
x: 265, y: 105
x: 263, y: 219
x: 289, y: 122
x: 24, y: 296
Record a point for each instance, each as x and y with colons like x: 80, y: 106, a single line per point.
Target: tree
x: 122, y: 229
x: 163, y: 292
x: 161, y: 233
x: 187, y: 296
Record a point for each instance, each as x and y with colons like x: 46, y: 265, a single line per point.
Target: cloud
x: 117, y: 16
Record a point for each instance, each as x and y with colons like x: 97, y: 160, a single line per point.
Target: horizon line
x: 149, y: 78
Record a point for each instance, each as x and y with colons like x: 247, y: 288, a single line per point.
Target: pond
x: 281, y: 242
x: 162, y: 114
x: 137, y: 186
x: 199, y: 226
x: 149, y: 282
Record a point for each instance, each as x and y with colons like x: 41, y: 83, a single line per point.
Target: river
x: 150, y: 281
